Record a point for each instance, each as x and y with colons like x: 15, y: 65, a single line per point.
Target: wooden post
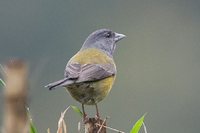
x: 15, y: 94
x: 92, y: 127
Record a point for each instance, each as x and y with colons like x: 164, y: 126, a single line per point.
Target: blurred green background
x: 158, y: 63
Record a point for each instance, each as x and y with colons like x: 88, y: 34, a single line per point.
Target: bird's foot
x: 85, y: 118
x: 97, y: 117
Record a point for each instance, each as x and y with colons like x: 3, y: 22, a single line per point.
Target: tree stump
x: 15, y: 95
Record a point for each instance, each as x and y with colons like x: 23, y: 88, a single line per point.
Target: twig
x: 110, y: 128
x: 61, y: 122
x: 64, y: 126
x: 102, y: 124
x: 79, y: 127
x: 145, y: 129
x: 48, y: 130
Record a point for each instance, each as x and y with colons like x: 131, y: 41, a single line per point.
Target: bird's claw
x: 85, y: 118
x: 97, y: 117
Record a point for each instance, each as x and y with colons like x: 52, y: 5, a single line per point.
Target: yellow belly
x: 91, y: 92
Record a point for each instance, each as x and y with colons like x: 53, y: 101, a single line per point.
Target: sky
x: 158, y: 63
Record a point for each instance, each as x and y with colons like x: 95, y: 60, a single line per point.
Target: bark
x: 92, y: 127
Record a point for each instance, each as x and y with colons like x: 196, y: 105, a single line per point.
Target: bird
x: 89, y: 75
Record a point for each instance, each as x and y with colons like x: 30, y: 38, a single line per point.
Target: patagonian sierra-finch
x: 90, y: 73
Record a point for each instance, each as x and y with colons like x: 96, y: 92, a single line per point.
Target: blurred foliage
x: 2, y: 83
x: 33, y: 128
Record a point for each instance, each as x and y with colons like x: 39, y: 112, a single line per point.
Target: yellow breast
x: 92, y: 56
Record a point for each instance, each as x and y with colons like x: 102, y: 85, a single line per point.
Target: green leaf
x: 2, y: 83
x: 77, y: 110
x: 138, y: 124
x: 32, y: 128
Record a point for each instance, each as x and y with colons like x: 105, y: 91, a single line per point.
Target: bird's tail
x: 58, y: 83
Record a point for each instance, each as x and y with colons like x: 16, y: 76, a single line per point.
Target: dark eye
x: 108, y: 35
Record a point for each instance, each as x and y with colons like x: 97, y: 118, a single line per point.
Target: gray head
x: 103, y: 39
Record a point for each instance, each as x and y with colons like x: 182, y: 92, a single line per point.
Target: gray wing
x: 71, y: 73
x: 77, y: 73
x: 93, y: 72
x: 89, y: 72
